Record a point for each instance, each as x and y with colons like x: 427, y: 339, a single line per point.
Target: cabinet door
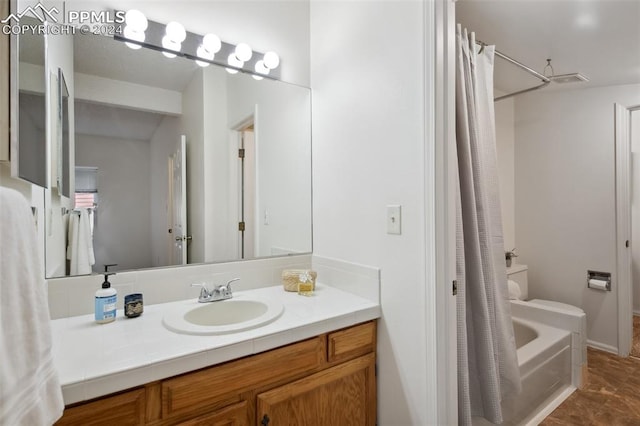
x: 124, y: 409
x: 233, y: 415
x: 342, y: 395
x: 200, y: 390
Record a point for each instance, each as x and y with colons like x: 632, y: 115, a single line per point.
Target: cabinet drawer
x: 123, y: 409
x: 233, y: 415
x: 351, y: 342
x: 195, y: 391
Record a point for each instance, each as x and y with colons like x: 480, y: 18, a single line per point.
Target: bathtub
x: 544, y: 359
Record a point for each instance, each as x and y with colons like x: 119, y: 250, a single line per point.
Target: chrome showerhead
x: 575, y: 77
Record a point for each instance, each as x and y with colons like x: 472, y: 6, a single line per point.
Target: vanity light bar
x: 234, y: 58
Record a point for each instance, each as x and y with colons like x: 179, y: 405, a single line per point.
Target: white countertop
x: 98, y: 359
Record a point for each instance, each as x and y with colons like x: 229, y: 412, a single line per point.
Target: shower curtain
x: 487, y: 360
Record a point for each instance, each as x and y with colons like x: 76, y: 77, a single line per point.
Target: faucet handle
x: 204, y: 291
x: 228, y: 285
x: 226, y: 289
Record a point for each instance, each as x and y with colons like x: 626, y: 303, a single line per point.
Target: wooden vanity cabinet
x: 327, y: 380
x: 342, y: 395
x: 126, y: 408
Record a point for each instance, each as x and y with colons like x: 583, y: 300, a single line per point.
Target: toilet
x: 518, y: 274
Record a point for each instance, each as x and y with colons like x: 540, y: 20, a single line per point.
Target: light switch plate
x: 394, y: 219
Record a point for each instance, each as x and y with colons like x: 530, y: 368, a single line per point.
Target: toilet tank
x: 518, y: 273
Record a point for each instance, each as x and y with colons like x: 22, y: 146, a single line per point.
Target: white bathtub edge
x: 548, y: 337
x: 549, y: 405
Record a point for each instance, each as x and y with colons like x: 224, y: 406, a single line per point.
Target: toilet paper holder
x: 595, y: 279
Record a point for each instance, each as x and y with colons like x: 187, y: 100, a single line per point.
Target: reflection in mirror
x: 63, y: 137
x: 32, y: 146
x: 240, y: 187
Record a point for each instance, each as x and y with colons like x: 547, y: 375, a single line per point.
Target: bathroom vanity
x: 315, y: 363
x: 329, y: 379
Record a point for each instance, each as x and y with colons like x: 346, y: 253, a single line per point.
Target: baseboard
x: 602, y: 347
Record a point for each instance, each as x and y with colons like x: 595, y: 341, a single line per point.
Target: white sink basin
x: 223, y: 317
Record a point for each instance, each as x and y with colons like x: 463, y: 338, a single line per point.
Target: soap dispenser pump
x: 105, y: 302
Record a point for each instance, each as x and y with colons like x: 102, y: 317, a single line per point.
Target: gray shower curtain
x: 487, y: 361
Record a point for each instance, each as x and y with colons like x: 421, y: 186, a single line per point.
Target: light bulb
x: 257, y: 77
x: 203, y: 53
x: 212, y: 43
x: 169, y: 44
x: 132, y: 34
x: 231, y: 71
x: 243, y: 52
x: 176, y: 32
x: 271, y: 60
x: 136, y: 20
x: 234, y: 61
x: 261, y: 68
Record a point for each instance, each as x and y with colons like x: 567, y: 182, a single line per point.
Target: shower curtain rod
x: 545, y: 80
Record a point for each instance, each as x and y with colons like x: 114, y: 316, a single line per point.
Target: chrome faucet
x: 219, y: 292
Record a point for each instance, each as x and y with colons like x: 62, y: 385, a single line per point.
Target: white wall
x: 635, y: 207
x: 505, y: 138
x: 565, y: 198
x: 128, y: 95
x: 369, y: 114
x: 192, y: 125
x: 283, y: 157
x: 216, y: 171
x: 162, y: 146
x: 122, y: 231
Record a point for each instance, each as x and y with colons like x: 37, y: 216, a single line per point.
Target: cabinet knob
x: 265, y: 420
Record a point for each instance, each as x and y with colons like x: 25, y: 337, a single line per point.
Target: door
x: 623, y: 225
x: 342, y: 395
x: 178, y: 197
x: 247, y: 225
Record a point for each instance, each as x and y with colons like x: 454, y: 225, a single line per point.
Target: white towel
x: 80, y: 244
x: 30, y: 392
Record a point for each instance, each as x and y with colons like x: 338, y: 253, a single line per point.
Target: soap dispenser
x: 105, y: 302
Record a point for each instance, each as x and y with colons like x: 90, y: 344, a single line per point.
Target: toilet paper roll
x: 598, y: 284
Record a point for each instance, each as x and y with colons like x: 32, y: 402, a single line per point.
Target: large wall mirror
x: 173, y: 163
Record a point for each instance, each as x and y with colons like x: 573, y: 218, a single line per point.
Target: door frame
x: 440, y: 90
x: 622, y: 142
x: 235, y: 135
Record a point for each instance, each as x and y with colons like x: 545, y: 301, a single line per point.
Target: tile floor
x: 611, y: 396
x: 635, y: 346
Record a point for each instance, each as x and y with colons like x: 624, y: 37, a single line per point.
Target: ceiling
x: 109, y: 58
x: 98, y: 120
x: 597, y: 38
